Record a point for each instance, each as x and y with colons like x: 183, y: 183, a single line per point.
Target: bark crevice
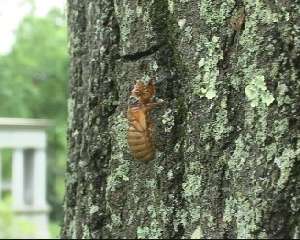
x: 131, y: 57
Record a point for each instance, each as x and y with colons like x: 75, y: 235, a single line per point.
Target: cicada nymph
x: 140, y: 131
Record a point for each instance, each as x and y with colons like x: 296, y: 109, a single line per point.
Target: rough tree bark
x: 228, y: 150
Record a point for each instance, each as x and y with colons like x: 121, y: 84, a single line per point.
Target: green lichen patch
x: 221, y: 126
x: 285, y: 163
x: 126, y: 17
x: 168, y: 120
x: 245, y: 214
x: 240, y: 155
x: 197, y: 234
x: 256, y: 91
x: 94, y: 209
x: 165, y: 212
x: 119, y: 175
x: 204, y: 84
x: 261, y: 12
x: 248, y: 218
x: 181, y: 23
x: 116, y: 220
x: 85, y: 232
x: 229, y: 210
x: 147, y: 233
x: 192, y: 186
x: 135, y: 24
x: 171, y: 6
x: 119, y: 141
x: 154, y: 231
x: 71, y: 104
x: 215, y: 14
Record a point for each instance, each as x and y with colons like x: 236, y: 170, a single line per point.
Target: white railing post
x: 18, y: 178
x: 39, y: 180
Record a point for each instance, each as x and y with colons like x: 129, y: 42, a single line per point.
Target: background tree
x: 228, y: 151
x: 33, y: 83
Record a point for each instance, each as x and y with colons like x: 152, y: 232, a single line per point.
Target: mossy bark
x: 227, y: 163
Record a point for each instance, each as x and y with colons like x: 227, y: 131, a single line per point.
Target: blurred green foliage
x: 12, y: 227
x: 54, y: 230
x: 33, y: 84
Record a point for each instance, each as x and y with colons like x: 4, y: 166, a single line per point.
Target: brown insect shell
x: 138, y: 114
x: 140, y: 126
x: 139, y: 133
x: 143, y: 92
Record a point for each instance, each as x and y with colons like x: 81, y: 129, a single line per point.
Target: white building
x: 27, y: 140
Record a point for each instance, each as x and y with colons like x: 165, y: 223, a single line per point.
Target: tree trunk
x: 227, y: 162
